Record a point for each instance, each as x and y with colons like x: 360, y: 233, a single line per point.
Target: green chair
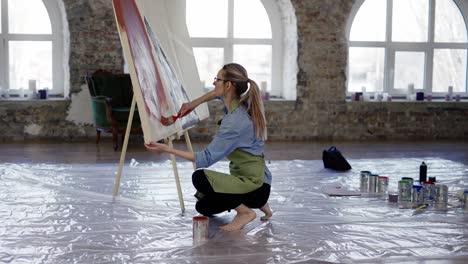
x: 111, y: 99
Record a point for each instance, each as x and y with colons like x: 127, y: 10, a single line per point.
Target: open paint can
x: 404, y: 191
x: 393, y: 197
x: 382, y: 185
x: 465, y: 201
x: 200, y: 228
x: 364, y: 186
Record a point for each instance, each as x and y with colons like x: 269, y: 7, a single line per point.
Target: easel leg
x: 189, y: 146
x: 124, y: 146
x: 176, y: 175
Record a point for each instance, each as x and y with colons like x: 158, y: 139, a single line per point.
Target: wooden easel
x: 173, y: 158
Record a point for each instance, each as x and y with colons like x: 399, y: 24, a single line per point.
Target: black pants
x: 214, y: 203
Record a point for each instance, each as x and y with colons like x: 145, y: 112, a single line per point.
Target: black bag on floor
x: 332, y: 159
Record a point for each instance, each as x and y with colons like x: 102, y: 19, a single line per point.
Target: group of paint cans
x: 373, y: 183
x: 427, y: 192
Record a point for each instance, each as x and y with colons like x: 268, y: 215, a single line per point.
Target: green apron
x: 246, y: 172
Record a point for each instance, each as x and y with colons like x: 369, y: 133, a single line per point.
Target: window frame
x: 56, y: 38
x: 275, y: 42
x: 390, y: 48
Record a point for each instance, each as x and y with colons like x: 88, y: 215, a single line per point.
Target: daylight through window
x: 30, y: 47
x: 394, y: 44
x: 222, y: 31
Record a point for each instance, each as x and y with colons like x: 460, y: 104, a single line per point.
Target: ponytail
x: 255, y: 109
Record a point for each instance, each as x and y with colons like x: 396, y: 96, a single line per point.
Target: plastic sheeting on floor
x: 65, y: 213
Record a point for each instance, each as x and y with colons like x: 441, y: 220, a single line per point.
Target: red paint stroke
x: 167, y: 121
x: 130, y: 22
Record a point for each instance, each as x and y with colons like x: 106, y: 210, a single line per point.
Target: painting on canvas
x: 159, y: 87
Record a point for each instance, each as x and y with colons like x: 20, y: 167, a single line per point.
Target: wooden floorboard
x: 89, y: 152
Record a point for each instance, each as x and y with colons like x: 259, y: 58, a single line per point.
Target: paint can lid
x: 383, y: 177
x: 417, y: 187
x: 428, y: 182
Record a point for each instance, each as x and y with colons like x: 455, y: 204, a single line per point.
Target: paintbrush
x: 167, y: 121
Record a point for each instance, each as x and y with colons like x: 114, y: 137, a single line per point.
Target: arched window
x: 248, y: 32
x: 31, y: 46
x: 394, y: 44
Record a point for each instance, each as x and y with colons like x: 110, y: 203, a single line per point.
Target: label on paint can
x: 441, y: 194
x: 404, y: 191
x: 364, y: 186
x: 373, y: 180
x: 465, y: 201
x: 382, y: 185
x: 418, y: 195
x: 429, y: 191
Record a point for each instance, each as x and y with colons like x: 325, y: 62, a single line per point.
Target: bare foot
x: 268, y: 213
x: 244, y: 216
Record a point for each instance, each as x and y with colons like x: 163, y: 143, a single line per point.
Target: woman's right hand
x: 185, y: 109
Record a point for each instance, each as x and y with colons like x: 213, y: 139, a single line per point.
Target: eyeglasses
x: 218, y: 79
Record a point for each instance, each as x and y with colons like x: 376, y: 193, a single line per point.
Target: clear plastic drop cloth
x: 66, y: 213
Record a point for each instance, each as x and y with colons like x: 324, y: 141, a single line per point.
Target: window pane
x: 30, y: 60
x: 449, y: 23
x: 28, y: 17
x: 409, y: 69
x: 257, y: 61
x: 449, y: 70
x: 244, y: 11
x: 369, y: 23
x: 366, y: 69
x: 207, y: 18
x: 209, y: 62
x: 410, y: 20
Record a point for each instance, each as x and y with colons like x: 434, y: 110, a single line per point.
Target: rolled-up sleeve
x: 224, y: 142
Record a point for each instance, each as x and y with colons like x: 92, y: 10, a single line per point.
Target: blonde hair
x: 249, y: 94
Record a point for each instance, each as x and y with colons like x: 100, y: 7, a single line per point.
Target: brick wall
x: 319, y: 113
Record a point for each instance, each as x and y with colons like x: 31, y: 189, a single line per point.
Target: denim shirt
x: 236, y: 131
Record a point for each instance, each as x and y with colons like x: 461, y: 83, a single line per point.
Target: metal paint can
x: 404, y: 190
x: 393, y: 197
x: 382, y: 185
x: 364, y: 186
x: 429, y: 191
x: 200, y: 228
x: 441, y: 193
x: 465, y: 201
x: 408, y: 179
x: 418, y: 195
x: 373, y: 179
